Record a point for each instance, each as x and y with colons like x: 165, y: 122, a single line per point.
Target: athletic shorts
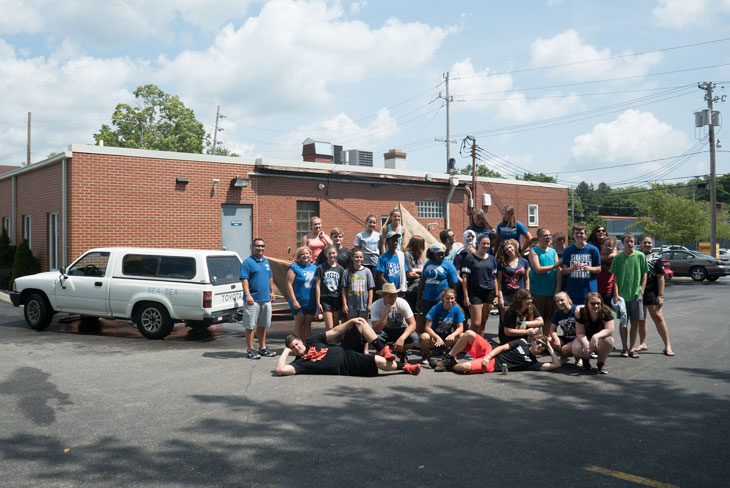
x: 391, y: 334
x: 256, y: 315
x: 481, y: 297
x: 566, y: 340
x: 650, y: 298
x: 635, y: 309
x: 357, y: 313
x: 331, y: 304
x: 545, y: 305
x: 302, y: 311
x: 479, y: 350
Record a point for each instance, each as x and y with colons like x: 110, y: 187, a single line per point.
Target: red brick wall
x: 38, y: 194
x: 134, y: 201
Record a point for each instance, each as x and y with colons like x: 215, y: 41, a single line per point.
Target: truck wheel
x: 698, y: 273
x: 153, y: 321
x: 38, y: 313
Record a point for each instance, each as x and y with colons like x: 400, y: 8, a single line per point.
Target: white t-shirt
x: 398, y: 315
x: 369, y: 244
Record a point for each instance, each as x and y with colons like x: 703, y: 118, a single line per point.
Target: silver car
x: 696, y: 265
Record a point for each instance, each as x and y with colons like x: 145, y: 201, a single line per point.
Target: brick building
x: 92, y: 196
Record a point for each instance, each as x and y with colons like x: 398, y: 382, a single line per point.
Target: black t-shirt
x: 656, y: 267
x: 344, y: 256
x: 479, y: 272
x: 331, y: 280
x: 518, y: 358
x: 593, y: 327
x: 510, y: 321
x: 323, y: 358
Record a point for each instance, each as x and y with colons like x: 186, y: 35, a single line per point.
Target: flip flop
x: 633, y: 354
x: 624, y: 353
x: 641, y: 348
x: 669, y: 353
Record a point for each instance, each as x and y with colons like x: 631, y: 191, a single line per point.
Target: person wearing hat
x: 392, y: 266
x: 392, y: 319
x: 437, y: 275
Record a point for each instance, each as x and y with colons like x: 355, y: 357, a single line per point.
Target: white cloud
x: 116, y: 22
x: 356, y: 7
x: 553, y: 3
x: 678, y: 14
x: 69, y: 94
x: 287, y: 57
x: 481, y: 90
x: 633, y: 136
x: 568, y: 47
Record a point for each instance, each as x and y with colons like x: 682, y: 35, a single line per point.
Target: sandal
x: 633, y: 354
x: 624, y: 353
x: 668, y: 353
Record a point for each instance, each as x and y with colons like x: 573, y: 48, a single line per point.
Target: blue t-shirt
x: 581, y: 281
x: 258, y: 274
x: 438, y: 276
x: 506, y: 232
x: 543, y: 284
x: 303, y: 286
x: 444, y: 322
x: 566, y: 322
x: 389, y: 264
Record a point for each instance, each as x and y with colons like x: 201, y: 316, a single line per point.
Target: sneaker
x: 266, y: 352
x: 386, y: 353
x: 468, y: 357
x: 602, y: 368
x: 579, y: 362
x: 594, y: 355
x: 413, y: 369
x: 252, y: 354
x: 425, y: 359
x: 445, y: 365
x: 587, y: 364
x: 433, y: 362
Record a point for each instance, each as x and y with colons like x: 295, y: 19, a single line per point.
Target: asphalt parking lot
x: 99, y: 405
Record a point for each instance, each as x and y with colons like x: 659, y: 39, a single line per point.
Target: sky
x: 580, y: 90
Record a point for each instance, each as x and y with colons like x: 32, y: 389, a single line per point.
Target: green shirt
x: 628, y: 270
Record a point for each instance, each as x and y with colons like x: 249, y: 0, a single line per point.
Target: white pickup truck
x: 153, y: 287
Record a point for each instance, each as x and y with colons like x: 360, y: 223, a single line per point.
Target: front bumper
x: 15, y: 298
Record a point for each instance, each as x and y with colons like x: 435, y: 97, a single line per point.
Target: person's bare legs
x: 261, y: 336
x: 633, y: 332
x: 328, y: 320
x: 661, y: 327
x: 303, y: 326
x: 604, y: 348
x: 643, y: 331
x: 475, y: 311
x: 624, y: 338
x: 249, y: 338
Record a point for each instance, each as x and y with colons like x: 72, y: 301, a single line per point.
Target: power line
x: 618, y: 56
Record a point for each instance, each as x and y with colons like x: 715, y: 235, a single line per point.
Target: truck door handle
x: 98, y: 283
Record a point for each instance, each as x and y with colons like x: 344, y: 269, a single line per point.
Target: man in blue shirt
x: 258, y: 291
x: 581, y: 265
x: 392, y: 267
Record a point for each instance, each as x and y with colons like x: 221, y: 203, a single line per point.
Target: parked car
x: 153, y: 287
x: 696, y: 265
x: 723, y: 254
x: 668, y: 273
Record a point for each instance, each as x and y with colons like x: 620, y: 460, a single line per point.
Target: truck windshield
x: 223, y: 270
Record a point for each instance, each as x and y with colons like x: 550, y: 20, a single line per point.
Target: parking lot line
x: 629, y: 477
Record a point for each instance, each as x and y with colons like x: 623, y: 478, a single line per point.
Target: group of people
x: 539, y: 286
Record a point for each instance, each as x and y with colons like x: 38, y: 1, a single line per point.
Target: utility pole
x: 218, y: 115
x: 473, y: 168
x: 448, y: 140
x: 708, y: 86
x: 27, y: 149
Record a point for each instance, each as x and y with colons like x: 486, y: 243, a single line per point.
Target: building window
x: 305, y: 212
x: 430, y: 210
x: 53, y: 241
x: 532, y: 215
x: 27, y: 229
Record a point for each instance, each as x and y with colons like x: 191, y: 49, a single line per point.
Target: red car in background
x: 668, y: 273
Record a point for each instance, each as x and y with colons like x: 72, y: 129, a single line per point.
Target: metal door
x: 236, y: 229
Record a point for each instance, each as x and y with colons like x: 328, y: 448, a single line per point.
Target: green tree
x: 24, y: 262
x: 161, y: 122
x: 540, y: 177
x: 673, y: 218
x: 221, y: 151
x: 482, y: 170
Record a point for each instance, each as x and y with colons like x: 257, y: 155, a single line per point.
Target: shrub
x: 24, y: 263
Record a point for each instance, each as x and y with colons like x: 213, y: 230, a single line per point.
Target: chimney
x: 395, y: 159
x: 316, y: 151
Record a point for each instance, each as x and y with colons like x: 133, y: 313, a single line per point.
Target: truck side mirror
x: 62, y: 270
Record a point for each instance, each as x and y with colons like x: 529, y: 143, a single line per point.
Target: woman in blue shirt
x: 511, y: 228
x: 300, y: 286
x: 444, y: 324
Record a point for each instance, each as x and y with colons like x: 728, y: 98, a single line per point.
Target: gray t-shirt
x: 356, y: 285
x: 398, y: 314
x: 369, y: 244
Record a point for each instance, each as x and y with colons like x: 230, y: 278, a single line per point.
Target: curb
x: 4, y: 297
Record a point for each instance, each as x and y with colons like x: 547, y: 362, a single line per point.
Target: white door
x: 85, y: 290
x: 236, y: 229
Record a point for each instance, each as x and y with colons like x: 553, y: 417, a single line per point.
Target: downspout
x: 64, y: 212
x: 13, y: 210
